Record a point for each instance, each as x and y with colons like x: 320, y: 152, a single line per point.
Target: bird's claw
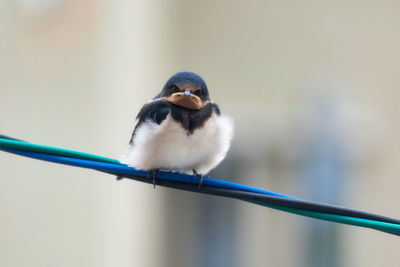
x: 200, y: 176
x: 153, y: 175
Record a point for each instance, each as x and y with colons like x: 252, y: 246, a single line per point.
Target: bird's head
x: 186, y: 89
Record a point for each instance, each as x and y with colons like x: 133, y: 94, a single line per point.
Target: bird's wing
x: 155, y: 111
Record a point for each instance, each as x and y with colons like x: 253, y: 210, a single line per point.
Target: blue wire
x: 217, y: 184
x: 123, y: 169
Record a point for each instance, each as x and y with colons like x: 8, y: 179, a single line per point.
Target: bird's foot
x: 153, y: 174
x: 199, y: 175
x: 119, y: 177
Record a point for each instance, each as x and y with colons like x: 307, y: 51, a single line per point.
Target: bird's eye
x: 197, y: 92
x: 174, y: 89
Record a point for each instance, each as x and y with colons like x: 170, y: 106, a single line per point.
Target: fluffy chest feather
x: 169, y: 146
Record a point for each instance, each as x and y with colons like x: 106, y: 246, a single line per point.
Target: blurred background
x: 312, y: 86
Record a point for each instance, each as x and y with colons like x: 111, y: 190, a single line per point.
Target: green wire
x: 378, y: 225
x: 21, y: 145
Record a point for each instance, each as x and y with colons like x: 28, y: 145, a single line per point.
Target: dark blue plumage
x: 186, y: 78
x: 158, y: 109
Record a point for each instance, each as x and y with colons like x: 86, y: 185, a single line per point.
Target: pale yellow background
x: 74, y: 74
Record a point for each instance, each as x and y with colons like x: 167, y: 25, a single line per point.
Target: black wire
x: 246, y: 196
x: 249, y: 196
x: 267, y: 199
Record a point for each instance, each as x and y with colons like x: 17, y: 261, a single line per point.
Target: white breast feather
x: 168, y: 146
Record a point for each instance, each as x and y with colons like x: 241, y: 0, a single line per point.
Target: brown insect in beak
x: 186, y: 99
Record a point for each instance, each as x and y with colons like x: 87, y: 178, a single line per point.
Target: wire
x: 123, y: 170
x: 368, y: 220
x: 259, y: 199
x: 10, y: 138
x: 9, y: 142
x: 209, y: 186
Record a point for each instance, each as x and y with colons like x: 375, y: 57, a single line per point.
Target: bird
x: 180, y: 130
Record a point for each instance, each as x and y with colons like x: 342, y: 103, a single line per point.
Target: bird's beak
x: 186, y: 99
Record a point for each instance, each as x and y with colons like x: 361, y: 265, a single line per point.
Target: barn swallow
x: 180, y: 130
